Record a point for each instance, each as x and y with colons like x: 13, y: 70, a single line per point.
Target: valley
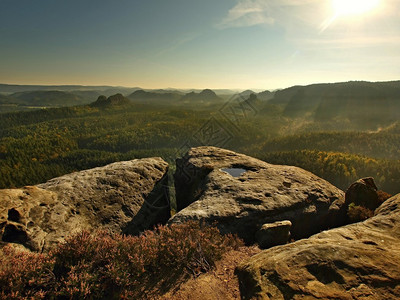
x: 113, y: 188
x: 357, y: 140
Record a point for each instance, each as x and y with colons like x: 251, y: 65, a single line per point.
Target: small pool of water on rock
x: 234, y: 172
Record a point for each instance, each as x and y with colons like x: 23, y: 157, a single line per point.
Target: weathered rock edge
x: 357, y: 261
x: 123, y: 197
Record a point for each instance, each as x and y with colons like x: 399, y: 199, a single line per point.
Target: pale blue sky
x: 262, y: 44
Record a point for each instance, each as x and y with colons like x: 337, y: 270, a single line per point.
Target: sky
x: 238, y: 44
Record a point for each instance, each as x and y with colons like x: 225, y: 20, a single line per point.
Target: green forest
x: 38, y: 145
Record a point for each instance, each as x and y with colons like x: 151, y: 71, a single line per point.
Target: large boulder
x: 363, y: 192
x: 241, y: 193
x: 358, y: 261
x: 124, y: 197
x: 273, y: 234
x: 362, y: 198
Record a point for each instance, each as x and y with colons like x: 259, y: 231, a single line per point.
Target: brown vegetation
x: 112, y: 266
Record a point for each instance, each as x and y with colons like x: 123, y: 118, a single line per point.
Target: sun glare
x: 353, y: 7
x: 349, y: 9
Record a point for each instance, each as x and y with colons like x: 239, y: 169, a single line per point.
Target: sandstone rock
x: 260, y: 193
x: 363, y: 192
x: 358, y: 261
x: 273, y: 234
x: 362, y: 198
x: 125, y: 197
x: 115, y: 100
x: 33, y: 217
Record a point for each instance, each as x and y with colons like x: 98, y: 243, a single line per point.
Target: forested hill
x: 192, y: 99
x: 31, y: 100
x: 204, y: 96
x: 32, y: 97
x: 38, y: 145
x: 360, y: 101
x: 384, y: 143
x: 161, y: 97
x: 47, y: 98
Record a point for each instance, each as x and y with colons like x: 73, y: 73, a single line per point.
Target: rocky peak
x: 205, y: 95
x: 208, y: 93
x: 115, y: 100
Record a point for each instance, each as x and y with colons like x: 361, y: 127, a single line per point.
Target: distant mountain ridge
x: 46, y: 98
x: 355, y: 100
x: 101, y: 89
x: 163, y: 97
x: 106, y: 90
x: 265, y: 95
x: 154, y: 96
x: 203, y: 96
x: 247, y: 93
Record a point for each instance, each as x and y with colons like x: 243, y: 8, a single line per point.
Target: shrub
x: 382, y: 196
x: 357, y: 213
x: 24, y: 275
x: 104, y: 265
x: 360, y: 212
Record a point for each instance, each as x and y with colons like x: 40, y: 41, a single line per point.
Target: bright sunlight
x: 349, y: 8
x: 353, y: 7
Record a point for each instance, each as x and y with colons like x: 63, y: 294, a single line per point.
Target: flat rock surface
x: 125, y: 197
x: 357, y: 261
x: 242, y: 193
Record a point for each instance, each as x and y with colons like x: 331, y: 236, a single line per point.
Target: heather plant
x: 106, y: 266
x: 358, y: 213
x: 382, y: 196
x: 25, y: 275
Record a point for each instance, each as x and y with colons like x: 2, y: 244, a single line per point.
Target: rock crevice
x: 263, y: 193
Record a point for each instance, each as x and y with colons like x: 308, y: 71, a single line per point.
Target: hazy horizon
x: 194, y: 88
x: 241, y: 44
